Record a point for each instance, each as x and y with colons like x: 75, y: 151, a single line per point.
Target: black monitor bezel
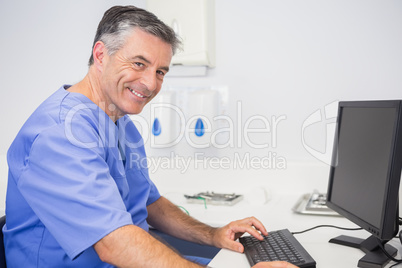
x: 390, y: 209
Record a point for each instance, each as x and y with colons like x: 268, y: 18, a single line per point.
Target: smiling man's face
x: 133, y: 75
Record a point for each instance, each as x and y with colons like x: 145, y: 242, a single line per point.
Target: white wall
x: 282, y: 57
x: 294, y: 57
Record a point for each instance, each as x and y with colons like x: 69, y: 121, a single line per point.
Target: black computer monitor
x: 365, y: 174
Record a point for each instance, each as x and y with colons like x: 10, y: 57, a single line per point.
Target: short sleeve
x: 72, y: 191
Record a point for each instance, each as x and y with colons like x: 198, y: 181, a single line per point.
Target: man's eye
x: 138, y: 64
x: 160, y: 73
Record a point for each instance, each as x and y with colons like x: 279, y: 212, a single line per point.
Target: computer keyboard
x: 278, y: 245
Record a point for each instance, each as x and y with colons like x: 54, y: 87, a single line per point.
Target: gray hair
x: 118, y: 22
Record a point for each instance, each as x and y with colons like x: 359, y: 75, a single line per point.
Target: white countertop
x: 277, y: 214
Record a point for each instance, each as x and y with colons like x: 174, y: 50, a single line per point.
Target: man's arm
x: 131, y: 246
x: 168, y: 218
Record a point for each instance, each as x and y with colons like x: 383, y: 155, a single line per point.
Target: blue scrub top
x: 74, y: 177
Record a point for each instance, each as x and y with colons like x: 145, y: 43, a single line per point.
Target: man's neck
x: 87, y: 87
x: 90, y: 87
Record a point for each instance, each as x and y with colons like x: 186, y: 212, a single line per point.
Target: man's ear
x: 99, y: 53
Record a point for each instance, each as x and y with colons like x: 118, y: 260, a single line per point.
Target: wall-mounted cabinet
x: 194, y: 22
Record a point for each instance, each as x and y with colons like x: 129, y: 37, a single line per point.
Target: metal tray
x: 310, y: 204
x: 211, y: 198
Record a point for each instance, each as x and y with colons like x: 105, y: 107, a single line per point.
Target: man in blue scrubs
x: 72, y: 199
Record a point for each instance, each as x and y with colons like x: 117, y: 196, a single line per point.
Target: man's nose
x: 149, y: 80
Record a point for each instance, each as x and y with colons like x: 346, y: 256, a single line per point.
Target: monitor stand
x: 375, y: 257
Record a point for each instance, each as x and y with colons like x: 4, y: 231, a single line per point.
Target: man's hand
x: 226, y: 236
x: 274, y: 264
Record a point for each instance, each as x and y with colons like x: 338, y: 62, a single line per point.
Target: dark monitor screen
x: 366, y: 165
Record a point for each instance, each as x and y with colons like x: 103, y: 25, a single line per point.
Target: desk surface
x: 277, y: 214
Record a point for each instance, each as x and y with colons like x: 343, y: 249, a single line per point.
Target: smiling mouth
x: 137, y: 94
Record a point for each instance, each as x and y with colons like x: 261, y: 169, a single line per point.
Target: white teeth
x: 136, y: 93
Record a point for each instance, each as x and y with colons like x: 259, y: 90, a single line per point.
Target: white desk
x: 286, y: 187
x: 278, y: 214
